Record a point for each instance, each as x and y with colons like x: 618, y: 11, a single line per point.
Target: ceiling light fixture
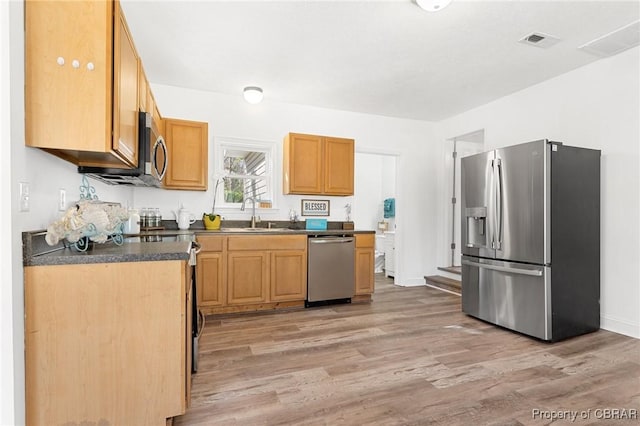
x: 432, y: 5
x: 253, y: 94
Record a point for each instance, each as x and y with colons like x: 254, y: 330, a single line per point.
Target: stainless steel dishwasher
x: 330, y: 269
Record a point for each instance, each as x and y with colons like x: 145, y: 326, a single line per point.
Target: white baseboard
x: 620, y: 326
x: 411, y: 282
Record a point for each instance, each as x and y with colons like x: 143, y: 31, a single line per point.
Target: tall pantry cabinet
x: 81, y: 93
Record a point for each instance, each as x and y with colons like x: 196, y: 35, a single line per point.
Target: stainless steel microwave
x: 152, y: 160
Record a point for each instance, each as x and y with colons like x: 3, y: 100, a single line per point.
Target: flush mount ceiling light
x: 432, y: 5
x: 252, y: 94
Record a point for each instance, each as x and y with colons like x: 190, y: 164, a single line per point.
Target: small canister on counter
x: 144, y: 223
x: 132, y: 226
x: 157, y: 217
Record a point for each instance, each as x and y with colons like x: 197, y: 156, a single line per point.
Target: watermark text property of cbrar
x: 589, y: 414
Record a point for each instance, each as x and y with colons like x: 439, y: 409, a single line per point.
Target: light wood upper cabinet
x: 143, y: 89
x: 364, y: 264
x: 187, y: 147
x: 338, y: 166
x: 318, y: 165
x: 79, y: 60
x: 158, y: 122
x: 303, y: 170
x: 125, y: 91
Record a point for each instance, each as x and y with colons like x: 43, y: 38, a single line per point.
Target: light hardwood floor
x: 408, y: 358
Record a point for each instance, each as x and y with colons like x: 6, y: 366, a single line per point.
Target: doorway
x: 457, y: 148
x: 375, y: 182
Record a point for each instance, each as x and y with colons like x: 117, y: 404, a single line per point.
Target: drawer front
x: 211, y: 242
x: 365, y: 240
x: 267, y: 242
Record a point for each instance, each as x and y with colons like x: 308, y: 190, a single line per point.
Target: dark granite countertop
x: 279, y: 231
x: 37, y: 252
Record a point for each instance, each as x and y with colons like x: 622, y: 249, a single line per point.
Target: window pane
x: 236, y: 189
x: 239, y: 162
x: 233, y: 190
x: 247, y: 171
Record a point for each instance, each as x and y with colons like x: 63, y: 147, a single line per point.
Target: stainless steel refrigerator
x: 531, y: 238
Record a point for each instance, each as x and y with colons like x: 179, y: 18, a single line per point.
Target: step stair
x: 444, y: 283
x: 457, y: 270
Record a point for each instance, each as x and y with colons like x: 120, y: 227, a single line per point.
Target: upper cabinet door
x: 187, y: 149
x: 143, y: 89
x: 81, y: 82
x: 68, y: 105
x: 338, y: 166
x: 303, y: 164
x: 125, y: 91
x: 318, y: 165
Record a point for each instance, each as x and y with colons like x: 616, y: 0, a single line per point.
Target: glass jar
x: 144, y: 218
x: 157, y: 216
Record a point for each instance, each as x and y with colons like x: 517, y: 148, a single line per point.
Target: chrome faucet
x: 253, y: 213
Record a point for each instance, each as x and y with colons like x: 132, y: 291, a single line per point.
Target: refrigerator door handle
x: 533, y: 273
x: 499, y: 202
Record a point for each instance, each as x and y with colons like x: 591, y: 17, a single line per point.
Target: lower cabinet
x: 364, y: 267
x: 244, y: 272
x: 288, y: 275
x: 210, y: 273
x: 247, y: 278
x: 251, y: 272
x: 107, y: 343
x: 266, y: 269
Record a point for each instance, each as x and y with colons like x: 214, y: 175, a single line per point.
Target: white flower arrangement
x: 88, y: 218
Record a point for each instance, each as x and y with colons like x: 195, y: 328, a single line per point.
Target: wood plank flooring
x: 408, y: 358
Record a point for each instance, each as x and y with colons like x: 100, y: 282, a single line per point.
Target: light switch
x: 62, y: 200
x: 24, y: 196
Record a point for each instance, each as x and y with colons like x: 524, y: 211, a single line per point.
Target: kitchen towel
x: 389, y: 208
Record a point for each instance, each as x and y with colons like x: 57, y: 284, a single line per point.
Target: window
x: 247, y: 171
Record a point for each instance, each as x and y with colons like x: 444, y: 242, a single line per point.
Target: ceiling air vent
x: 615, y: 42
x: 539, y: 40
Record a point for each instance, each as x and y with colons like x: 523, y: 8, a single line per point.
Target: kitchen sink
x: 256, y: 229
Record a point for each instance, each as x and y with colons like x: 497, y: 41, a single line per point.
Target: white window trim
x: 270, y: 148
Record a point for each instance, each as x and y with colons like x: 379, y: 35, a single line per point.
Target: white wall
x: 596, y: 106
x: 8, y: 371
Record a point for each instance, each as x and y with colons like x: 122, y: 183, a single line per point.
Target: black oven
x: 197, y: 318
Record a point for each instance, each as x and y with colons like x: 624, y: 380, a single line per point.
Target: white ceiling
x: 386, y: 58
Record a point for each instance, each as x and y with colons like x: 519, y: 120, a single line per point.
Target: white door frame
x: 456, y: 148
x: 398, y: 236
